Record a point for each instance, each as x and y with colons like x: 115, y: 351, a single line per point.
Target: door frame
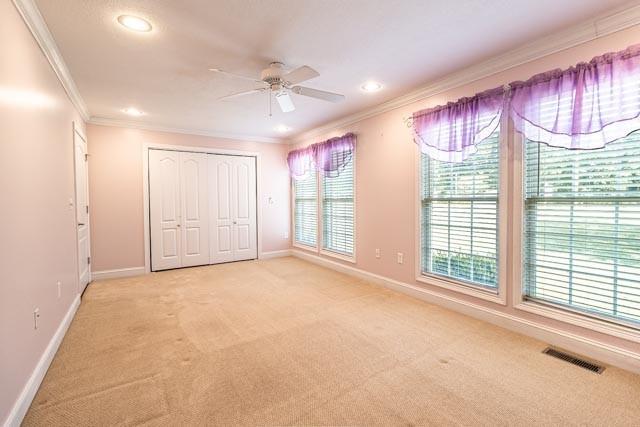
x: 208, y: 150
x: 77, y: 131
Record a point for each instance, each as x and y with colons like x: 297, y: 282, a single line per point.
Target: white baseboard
x: 23, y: 402
x: 275, y: 254
x: 114, y: 274
x: 598, y: 350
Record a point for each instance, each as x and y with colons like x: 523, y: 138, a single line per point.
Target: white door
x: 195, y: 219
x: 243, y: 186
x: 82, y: 209
x: 220, y: 208
x: 164, y: 209
x: 232, y: 208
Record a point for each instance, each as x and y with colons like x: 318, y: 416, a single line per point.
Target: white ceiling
x: 400, y: 43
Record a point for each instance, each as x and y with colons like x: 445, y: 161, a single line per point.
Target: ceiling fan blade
x: 319, y: 94
x: 237, y: 76
x: 285, y: 101
x: 300, y: 75
x: 239, y: 94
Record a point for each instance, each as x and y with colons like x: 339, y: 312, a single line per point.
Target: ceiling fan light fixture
x: 371, y: 86
x: 135, y: 23
x: 284, y: 100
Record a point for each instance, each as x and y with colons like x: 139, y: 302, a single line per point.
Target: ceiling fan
x: 281, y: 84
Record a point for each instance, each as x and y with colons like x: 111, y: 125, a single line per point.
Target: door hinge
x: 87, y: 208
x: 86, y: 157
x: 88, y: 260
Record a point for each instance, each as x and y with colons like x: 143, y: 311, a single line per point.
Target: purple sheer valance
x: 300, y: 162
x: 451, y: 132
x: 329, y: 157
x: 584, y: 107
x: 334, y: 154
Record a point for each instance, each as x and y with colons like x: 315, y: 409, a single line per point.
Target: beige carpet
x: 285, y: 342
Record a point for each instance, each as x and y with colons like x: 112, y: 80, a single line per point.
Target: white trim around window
x: 563, y: 314
x: 477, y: 291
x: 320, y: 223
x: 305, y: 247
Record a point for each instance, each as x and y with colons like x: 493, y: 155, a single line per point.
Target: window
x: 582, y: 228
x: 459, y: 216
x: 337, y: 212
x: 306, y: 210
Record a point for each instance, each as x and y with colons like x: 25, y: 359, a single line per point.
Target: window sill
x: 305, y: 247
x: 347, y: 258
x: 464, y: 288
x: 581, y: 320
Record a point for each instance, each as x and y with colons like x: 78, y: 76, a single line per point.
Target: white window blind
x: 582, y: 228
x: 459, y: 216
x: 337, y: 211
x: 306, y: 210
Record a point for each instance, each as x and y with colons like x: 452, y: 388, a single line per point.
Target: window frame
x: 318, y: 248
x: 295, y: 243
x: 499, y: 296
x: 546, y: 309
x: 327, y: 252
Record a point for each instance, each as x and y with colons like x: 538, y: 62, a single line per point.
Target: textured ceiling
x: 400, y: 43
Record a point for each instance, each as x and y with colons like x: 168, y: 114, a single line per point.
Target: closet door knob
x: 234, y: 222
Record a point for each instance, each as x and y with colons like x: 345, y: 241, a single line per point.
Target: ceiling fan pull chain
x: 270, y: 102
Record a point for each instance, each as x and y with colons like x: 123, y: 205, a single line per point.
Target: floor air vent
x: 598, y: 369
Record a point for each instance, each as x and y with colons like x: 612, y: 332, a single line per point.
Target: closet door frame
x: 145, y: 189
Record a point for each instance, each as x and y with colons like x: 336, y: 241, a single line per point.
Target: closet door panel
x: 221, y: 208
x: 164, y: 209
x: 194, y: 209
x: 244, y: 208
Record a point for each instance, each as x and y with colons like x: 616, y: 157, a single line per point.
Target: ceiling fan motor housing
x: 273, y: 74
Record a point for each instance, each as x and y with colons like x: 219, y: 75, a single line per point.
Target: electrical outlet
x: 400, y: 257
x: 59, y: 284
x: 377, y: 253
x: 36, y: 317
x: 286, y: 234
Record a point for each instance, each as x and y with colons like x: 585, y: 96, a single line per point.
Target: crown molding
x: 103, y: 121
x: 601, y: 26
x: 36, y: 24
x: 619, y: 19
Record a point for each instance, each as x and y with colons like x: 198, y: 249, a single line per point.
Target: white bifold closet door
x: 232, y: 208
x: 178, y: 207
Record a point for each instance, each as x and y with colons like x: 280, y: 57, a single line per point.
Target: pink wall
x: 116, y: 194
x: 386, y: 178
x: 37, y: 225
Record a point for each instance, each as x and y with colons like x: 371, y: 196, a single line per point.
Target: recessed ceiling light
x: 282, y: 128
x: 134, y: 23
x: 371, y: 87
x: 133, y: 112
